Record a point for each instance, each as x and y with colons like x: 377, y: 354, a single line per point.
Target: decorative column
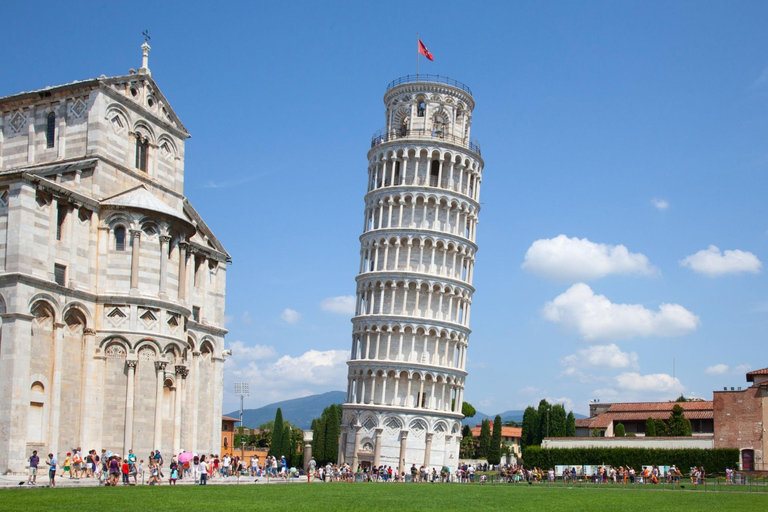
x: 178, y: 403
x: 128, y: 439
x: 165, y: 240
x: 160, y: 370
x: 135, y: 237
x: 58, y: 357
x: 403, y: 443
x: 342, y: 446
x: 308, y: 435
x: 377, y: 449
x: 356, y: 447
x: 183, y: 271
x: 428, y: 449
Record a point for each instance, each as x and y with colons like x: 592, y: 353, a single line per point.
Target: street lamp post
x: 242, y: 390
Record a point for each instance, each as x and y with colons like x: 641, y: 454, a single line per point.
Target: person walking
x: 203, y: 470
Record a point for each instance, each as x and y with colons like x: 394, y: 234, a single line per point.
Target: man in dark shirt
x: 34, y: 460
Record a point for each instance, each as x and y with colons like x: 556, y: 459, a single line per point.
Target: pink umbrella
x: 185, y: 457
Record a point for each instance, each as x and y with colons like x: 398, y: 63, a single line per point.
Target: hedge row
x: 713, y: 461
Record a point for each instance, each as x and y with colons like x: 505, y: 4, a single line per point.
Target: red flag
x: 423, y: 50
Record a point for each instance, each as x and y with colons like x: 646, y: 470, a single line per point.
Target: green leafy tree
x: 570, y: 425
x: 650, y: 428
x: 544, y: 421
x: 494, y: 450
x: 661, y: 427
x: 467, y: 410
x: 484, y: 440
x: 681, y: 398
x: 530, y: 423
x: 318, y: 439
x: 597, y: 433
x: 277, y: 435
x: 557, y: 421
x: 679, y: 425
x: 619, y: 431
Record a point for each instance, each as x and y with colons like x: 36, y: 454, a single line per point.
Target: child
x: 174, y: 475
x: 67, y: 466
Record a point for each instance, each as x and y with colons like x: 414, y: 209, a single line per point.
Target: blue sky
x: 637, y: 130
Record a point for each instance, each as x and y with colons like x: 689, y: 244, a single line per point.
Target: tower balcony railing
x: 407, y: 79
x: 436, y: 135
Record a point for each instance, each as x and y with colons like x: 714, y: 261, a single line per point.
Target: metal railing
x: 382, y: 136
x: 407, y: 79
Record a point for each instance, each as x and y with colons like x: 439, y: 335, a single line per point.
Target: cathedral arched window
x: 421, y: 109
x: 434, y: 172
x: 142, y: 152
x: 50, y: 131
x: 119, y: 238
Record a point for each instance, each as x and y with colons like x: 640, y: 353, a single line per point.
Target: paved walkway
x: 12, y: 481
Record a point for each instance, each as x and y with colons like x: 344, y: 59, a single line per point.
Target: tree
x: 679, y: 425
x: 277, y: 435
x: 286, y: 443
x: 597, y: 433
x: 494, y: 450
x: 467, y: 410
x: 318, y: 439
x: 681, y: 398
x: 484, y: 441
x: 650, y: 428
x: 332, y: 433
x: 530, y: 422
x: 544, y: 419
x: 619, y: 431
x: 661, y: 427
x: 570, y: 425
x: 557, y: 421
x: 467, y: 446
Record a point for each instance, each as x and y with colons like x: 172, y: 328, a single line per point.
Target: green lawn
x: 361, y: 496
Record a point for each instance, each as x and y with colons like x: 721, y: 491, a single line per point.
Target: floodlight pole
x: 241, y: 390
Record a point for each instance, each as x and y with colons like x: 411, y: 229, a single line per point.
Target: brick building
x: 740, y: 417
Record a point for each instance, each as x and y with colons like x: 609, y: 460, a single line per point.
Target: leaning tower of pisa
x: 414, y: 287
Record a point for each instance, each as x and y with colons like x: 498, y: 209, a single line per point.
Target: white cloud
x: 600, y: 356
x: 724, y: 369
x: 718, y: 369
x: 567, y: 402
x: 275, y: 377
x: 241, y: 352
x: 661, y: 204
x: 713, y: 263
x: 290, y: 316
x: 596, y: 318
x: 246, y: 317
x: 653, y: 383
x: 344, y: 305
x: 573, y: 259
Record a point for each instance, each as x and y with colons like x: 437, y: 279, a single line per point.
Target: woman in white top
x: 202, y: 469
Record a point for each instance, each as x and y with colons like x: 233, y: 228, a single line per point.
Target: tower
x: 414, y: 287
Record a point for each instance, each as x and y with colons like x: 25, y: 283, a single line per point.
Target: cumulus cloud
x: 652, y: 383
x: 574, y: 259
x: 713, y: 263
x: 600, y: 356
x: 660, y: 204
x: 596, y: 318
x: 344, y: 305
x: 283, y: 377
x: 242, y: 352
x: 724, y: 369
x: 290, y: 316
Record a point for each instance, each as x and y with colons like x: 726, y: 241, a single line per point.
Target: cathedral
x: 112, y: 287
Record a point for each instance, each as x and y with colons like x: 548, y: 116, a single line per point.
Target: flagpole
x: 417, y: 56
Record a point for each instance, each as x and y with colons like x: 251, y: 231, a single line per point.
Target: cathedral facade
x: 112, y: 287
x: 414, y: 287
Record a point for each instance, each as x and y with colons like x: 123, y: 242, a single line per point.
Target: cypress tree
x: 530, y: 423
x: 544, y: 421
x: 484, y: 441
x: 494, y: 450
x: 679, y: 425
x: 286, y: 449
x: 276, y: 443
x: 661, y: 427
x: 570, y: 425
x: 318, y: 446
x: 557, y: 421
x: 619, y: 431
x: 650, y: 428
x: 332, y: 432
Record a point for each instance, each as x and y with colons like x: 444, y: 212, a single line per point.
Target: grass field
x: 389, y: 497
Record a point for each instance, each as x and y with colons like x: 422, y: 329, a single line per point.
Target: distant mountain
x: 299, y: 411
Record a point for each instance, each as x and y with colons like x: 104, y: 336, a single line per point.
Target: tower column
x: 128, y: 429
x: 135, y: 237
